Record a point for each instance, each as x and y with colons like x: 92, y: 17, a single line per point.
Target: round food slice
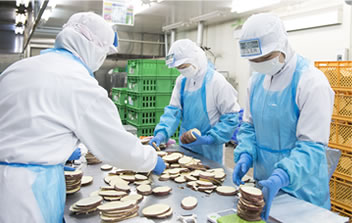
x: 155, y: 210
x: 204, y: 183
x: 180, y: 179
x: 89, y: 201
x: 251, y: 191
x: 195, y: 131
x: 106, y: 167
x: 144, y: 189
x: 188, y: 203
x: 226, y: 190
x: 189, y: 177
x: 206, y: 175
x: 129, y: 178
x: 165, y: 215
x: 142, y: 182
x: 122, y: 187
x: 112, y: 193
x: 116, y: 205
x: 164, y: 177
x: 165, y: 190
x: 135, y: 197
x: 185, y: 160
x: 219, y: 175
x: 86, y: 180
x: 140, y: 177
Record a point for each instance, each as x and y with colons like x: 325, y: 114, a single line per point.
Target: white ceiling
x: 149, y: 21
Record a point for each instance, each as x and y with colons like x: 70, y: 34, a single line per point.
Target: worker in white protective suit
x: 48, y: 105
x: 287, y: 117
x: 202, y: 99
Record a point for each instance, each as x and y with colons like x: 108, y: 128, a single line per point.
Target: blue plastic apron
x: 48, y: 188
x: 195, y: 115
x: 69, y: 54
x: 275, y: 115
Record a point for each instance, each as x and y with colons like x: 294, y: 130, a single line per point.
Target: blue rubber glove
x: 160, y: 166
x: 241, y: 168
x: 202, y: 140
x: 75, y: 155
x: 271, y: 186
x: 68, y: 168
x: 157, y: 139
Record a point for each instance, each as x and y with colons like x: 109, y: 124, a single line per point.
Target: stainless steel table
x: 206, y: 203
x: 288, y: 209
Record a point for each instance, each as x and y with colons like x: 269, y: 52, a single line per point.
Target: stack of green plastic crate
x: 149, y: 88
x: 119, y: 97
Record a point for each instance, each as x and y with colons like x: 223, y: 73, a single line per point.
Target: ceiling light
x: 173, y: 26
x: 207, y: 16
x: 241, y: 6
x: 21, y: 18
x: 22, y: 2
x: 19, y: 29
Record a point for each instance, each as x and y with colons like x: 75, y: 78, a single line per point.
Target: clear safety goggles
x: 250, y: 47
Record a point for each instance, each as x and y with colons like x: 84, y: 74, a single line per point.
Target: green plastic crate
x: 151, y: 84
x: 119, y: 95
x: 147, y: 67
x: 142, y: 67
x: 163, y: 69
x: 123, y: 113
x: 145, y: 130
x: 143, y: 117
x: 148, y: 100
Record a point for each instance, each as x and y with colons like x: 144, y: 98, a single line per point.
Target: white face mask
x: 189, y: 72
x: 269, y: 67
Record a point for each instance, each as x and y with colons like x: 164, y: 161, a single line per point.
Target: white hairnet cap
x: 183, y: 51
x: 262, y: 34
x: 94, y: 28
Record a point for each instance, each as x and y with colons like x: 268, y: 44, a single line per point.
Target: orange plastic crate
x: 341, y: 192
x: 340, y: 134
x: 339, y: 73
x: 343, y: 105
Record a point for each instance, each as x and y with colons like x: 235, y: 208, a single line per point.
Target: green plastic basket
x: 119, y: 95
x: 148, y: 100
x: 151, y: 84
x: 143, y: 117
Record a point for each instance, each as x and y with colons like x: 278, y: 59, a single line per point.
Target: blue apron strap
x: 26, y: 165
x: 68, y: 53
x: 300, y: 65
x: 207, y: 78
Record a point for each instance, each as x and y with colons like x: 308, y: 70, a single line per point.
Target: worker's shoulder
x: 218, y: 80
x: 313, y: 77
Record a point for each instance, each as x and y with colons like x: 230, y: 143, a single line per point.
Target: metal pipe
x: 141, y: 41
x: 41, y: 11
x: 200, y: 33
x: 166, y: 44
x: 173, y: 34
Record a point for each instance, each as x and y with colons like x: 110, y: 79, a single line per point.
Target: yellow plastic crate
x: 340, y: 134
x: 341, y: 192
x: 343, y: 105
x: 339, y: 73
x: 344, y: 167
